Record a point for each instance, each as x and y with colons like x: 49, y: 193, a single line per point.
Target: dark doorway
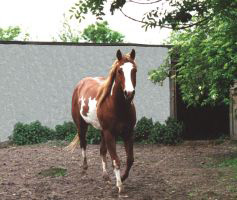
x: 202, y: 122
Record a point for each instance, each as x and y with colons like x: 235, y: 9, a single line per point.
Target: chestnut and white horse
x: 107, y: 104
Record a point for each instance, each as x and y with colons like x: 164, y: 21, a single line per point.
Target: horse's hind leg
x: 81, y: 131
x: 83, y: 143
x: 103, y: 152
x: 80, y: 123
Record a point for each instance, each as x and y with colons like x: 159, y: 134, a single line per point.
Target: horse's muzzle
x: 129, y: 95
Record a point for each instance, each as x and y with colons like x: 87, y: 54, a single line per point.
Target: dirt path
x: 182, y: 172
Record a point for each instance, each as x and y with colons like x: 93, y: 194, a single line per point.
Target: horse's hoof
x: 124, y: 177
x: 120, y: 188
x: 84, y: 167
x: 106, y: 176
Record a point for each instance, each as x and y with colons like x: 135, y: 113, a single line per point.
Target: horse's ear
x: 119, y: 55
x: 132, y: 54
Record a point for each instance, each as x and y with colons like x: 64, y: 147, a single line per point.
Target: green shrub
x: 143, y: 129
x: 174, y: 130
x: 70, y: 136
x: 32, y: 133
x: 145, y: 132
x: 156, y: 134
x: 93, y: 135
x: 66, y: 131
x: 168, y: 133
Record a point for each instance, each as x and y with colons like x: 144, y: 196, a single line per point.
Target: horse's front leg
x: 128, y: 143
x: 111, y: 146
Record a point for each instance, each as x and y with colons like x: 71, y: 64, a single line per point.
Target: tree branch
x: 193, y: 24
x: 157, y: 1
x: 136, y: 20
x: 166, y: 25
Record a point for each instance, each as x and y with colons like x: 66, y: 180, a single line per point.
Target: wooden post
x: 173, y: 95
x: 233, y: 111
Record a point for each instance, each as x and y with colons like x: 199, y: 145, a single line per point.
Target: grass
x: 228, y: 162
x: 53, y: 172
x: 226, y: 166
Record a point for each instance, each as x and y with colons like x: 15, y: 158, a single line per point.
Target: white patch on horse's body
x: 111, y: 93
x: 127, y: 69
x: 98, y: 79
x: 118, y: 176
x: 91, y: 115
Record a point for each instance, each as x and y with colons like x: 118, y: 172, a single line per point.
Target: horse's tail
x: 72, y: 146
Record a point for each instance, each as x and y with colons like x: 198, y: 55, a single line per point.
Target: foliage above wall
x: 206, y: 61
x: 12, y: 33
x: 100, y: 32
x: 173, y: 14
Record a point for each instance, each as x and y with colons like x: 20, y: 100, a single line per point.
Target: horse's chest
x: 88, y: 111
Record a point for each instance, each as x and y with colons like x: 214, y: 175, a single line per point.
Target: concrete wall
x: 37, y: 80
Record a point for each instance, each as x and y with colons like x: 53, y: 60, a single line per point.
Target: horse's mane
x: 106, y: 86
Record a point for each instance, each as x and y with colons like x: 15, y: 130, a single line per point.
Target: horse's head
x: 126, y: 73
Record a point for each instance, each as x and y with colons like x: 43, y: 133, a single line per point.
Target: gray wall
x: 37, y: 80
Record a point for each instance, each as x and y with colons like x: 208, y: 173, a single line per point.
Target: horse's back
x: 88, y: 87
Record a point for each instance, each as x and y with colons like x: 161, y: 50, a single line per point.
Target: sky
x: 43, y: 20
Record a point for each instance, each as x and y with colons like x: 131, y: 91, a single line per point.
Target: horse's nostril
x: 129, y: 95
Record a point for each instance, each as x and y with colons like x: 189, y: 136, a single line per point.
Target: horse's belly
x: 88, y: 111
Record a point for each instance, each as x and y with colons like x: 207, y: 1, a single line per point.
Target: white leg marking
x: 104, y: 164
x: 127, y: 68
x: 104, y: 168
x: 83, y: 152
x: 118, y: 176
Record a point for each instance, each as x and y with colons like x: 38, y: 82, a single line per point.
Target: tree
x: 207, y: 61
x: 12, y: 33
x: 101, y: 33
x: 96, y: 33
x: 68, y: 34
x: 206, y: 44
x: 175, y: 14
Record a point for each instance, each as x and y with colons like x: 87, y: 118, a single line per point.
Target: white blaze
x: 127, y: 69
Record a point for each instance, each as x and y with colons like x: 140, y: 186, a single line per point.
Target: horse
x: 107, y: 104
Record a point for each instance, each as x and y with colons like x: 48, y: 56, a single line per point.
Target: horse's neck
x: 117, y: 97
